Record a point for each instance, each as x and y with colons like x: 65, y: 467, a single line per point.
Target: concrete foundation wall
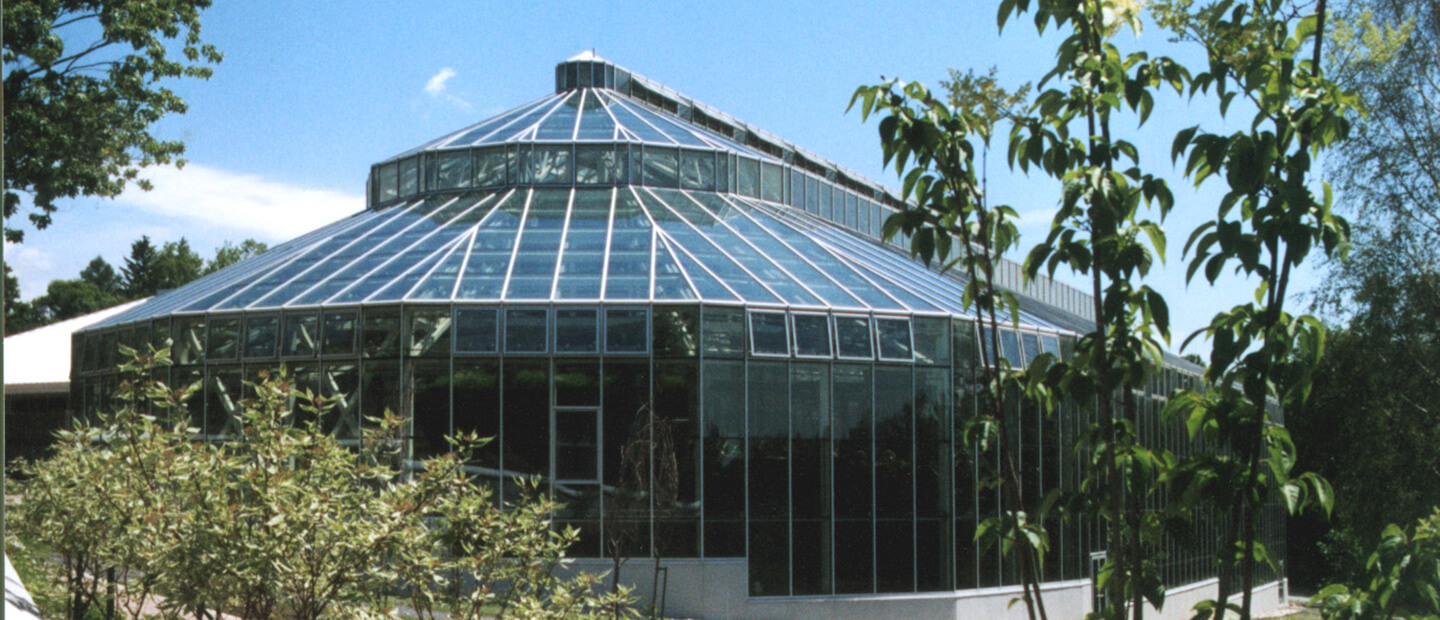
x: 716, y: 590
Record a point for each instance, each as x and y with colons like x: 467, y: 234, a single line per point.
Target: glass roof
x: 583, y: 115
x: 542, y: 245
x: 551, y: 202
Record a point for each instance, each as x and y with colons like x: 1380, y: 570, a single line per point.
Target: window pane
x: 576, y: 445
x: 748, y: 175
x: 595, y: 165
x: 261, y: 334
x: 428, y: 330
x: 224, y: 336
x: 676, y: 415
x: 188, y: 347
x: 724, y: 459
x: 526, y: 449
x: 894, y: 338
x: 812, y: 335
x: 549, y: 164
x: 454, y: 169
x: 577, y: 383
x: 525, y: 331
x: 769, y: 471
x: 409, y: 176
x: 490, y: 167
x: 475, y: 330
x: 932, y: 341
x: 381, y: 335
x: 767, y: 333
x: 852, y: 337
x: 387, y: 182
x: 339, y: 333
x: 894, y: 480
x: 627, y: 502
x: 810, y: 484
x: 301, y: 335
x: 625, y: 331
x: 661, y: 167
x: 477, y: 409
x: 772, y: 187
x: 677, y: 331
x: 724, y: 331
x: 1030, y: 345
x: 852, y: 423
x: 576, y: 331
x: 429, y: 406
x: 697, y: 170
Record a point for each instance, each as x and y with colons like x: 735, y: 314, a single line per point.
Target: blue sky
x: 310, y: 94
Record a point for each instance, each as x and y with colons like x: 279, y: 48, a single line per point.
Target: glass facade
x: 689, y: 333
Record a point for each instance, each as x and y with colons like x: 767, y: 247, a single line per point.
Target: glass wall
x: 825, y: 448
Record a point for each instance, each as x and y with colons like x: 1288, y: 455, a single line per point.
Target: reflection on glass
x: 625, y: 331
x: 661, y: 167
x: 595, y: 164
x: 188, y: 346
x: 476, y: 330
x: 576, y: 330
x: 894, y: 338
x: 724, y: 331
x: 769, y: 471
x: 429, y: 331
x: 261, y: 334
x: 380, y: 336
x: 525, y: 330
x: 550, y: 164
x: 812, y: 335
x: 339, y: 336
x: 301, y: 335
x: 852, y: 337
x: 767, y: 333
x: 697, y: 170
x: 454, y: 170
x: 224, y: 336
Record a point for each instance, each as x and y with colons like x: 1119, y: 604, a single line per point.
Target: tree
x: 19, y: 316
x: 139, y: 270
x: 102, y: 275
x: 67, y: 299
x: 228, y: 254
x: 176, y: 265
x: 78, y: 117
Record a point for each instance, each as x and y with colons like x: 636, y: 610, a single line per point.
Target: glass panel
x: 661, y: 167
x: 429, y: 331
x: 810, y: 483
x: 477, y: 409
x: 631, y: 122
x: 852, y: 423
x: 339, y: 336
x: 341, y: 381
x: 409, y: 176
x: 894, y: 480
x: 428, y: 407
x: 388, y: 187
x: 769, y: 487
x: 894, y: 338
x: 525, y: 331
x: 767, y: 333
x: 526, y: 419
x: 533, y: 273
x: 261, y: 336
x: 476, y: 330
x: 490, y: 254
x: 550, y: 164
x: 625, y: 331
x: 301, y: 336
x: 748, y: 173
x: 454, y: 169
x: 188, y: 347
x: 381, y: 334
x: 771, y: 185
x: 812, y: 335
x: 582, y: 264
x: 932, y: 341
x: 560, y: 125
x: 577, y: 445
x: 697, y: 170
x: 1030, y: 345
x: 490, y: 167
x: 933, y: 499
x: 595, y: 123
x: 224, y: 336
x: 676, y: 420
x: 626, y: 424
x: 595, y: 165
x: 852, y: 337
x: 576, y: 330
x: 677, y: 331
x: 628, y: 270
x: 724, y: 332
x: 1010, y: 347
x: 670, y: 283
x: 222, y: 402
x: 577, y: 382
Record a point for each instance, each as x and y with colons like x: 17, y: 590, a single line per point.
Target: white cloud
x: 28, y: 262
x: 436, y: 85
x: 245, y: 203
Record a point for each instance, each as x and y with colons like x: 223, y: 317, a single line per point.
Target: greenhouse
x: 617, y: 270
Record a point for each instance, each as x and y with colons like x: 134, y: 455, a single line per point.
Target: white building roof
x: 39, y: 360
